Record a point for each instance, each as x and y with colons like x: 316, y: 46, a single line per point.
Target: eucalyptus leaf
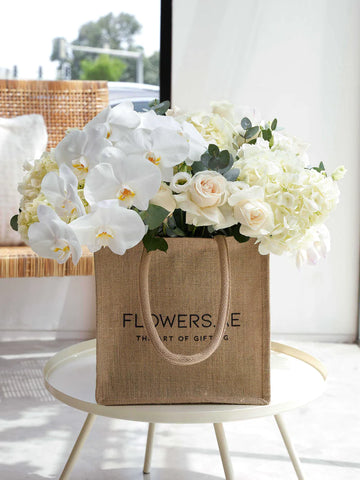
x: 174, y: 232
x: 246, y: 123
x: 152, y: 243
x: 251, y: 132
x: 232, y: 175
x: 274, y: 124
x: 213, y: 150
x: 214, y: 164
x: 161, y: 108
x: 14, y: 222
x: 198, y: 167
x: 154, y: 216
x: 224, y: 159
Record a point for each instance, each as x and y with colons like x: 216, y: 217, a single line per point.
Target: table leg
x: 290, y: 448
x: 224, y: 451
x: 78, y: 445
x: 149, y: 448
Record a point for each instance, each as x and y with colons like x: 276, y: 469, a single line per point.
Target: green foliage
x: 218, y: 161
x: 14, y: 222
x: 103, y: 68
x: 154, y: 216
x: 320, y: 168
x: 160, y: 108
x: 274, y: 124
x: 152, y: 242
x: 267, y: 134
x: 251, y: 132
x: 235, y: 230
x: 246, y: 123
x: 175, y: 226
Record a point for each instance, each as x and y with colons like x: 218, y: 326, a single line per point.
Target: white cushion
x: 21, y: 139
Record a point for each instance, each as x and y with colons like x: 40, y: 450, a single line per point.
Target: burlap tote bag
x: 202, y: 334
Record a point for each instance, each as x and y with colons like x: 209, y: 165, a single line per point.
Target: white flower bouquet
x: 129, y: 177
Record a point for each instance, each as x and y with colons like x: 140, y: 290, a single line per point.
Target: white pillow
x: 21, y: 139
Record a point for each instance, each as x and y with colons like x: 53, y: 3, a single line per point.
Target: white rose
x: 164, y: 198
x: 208, y: 189
x: 250, y: 209
x: 204, y: 200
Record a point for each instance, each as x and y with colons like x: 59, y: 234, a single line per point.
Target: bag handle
x: 177, y: 358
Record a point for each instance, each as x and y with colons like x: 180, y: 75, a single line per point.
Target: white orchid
x: 132, y: 180
x: 61, y: 191
x: 150, y: 120
x: 196, y: 143
x: 110, y: 226
x: 80, y: 150
x: 161, y: 146
x: 53, y: 238
x: 113, y: 123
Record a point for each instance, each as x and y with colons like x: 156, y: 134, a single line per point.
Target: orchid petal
x: 113, y: 226
x: 170, y: 146
x: 53, y: 238
x: 101, y: 184
x: 150, y: 120
x: 124, y: 115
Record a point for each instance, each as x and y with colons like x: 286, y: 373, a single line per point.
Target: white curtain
x: 298, y: 61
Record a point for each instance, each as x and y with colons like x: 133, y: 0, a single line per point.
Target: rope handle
x: 178, y: 358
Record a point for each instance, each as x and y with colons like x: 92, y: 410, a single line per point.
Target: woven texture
x: 184, y: 290
x: 16, y: 262
x: 63, y: 104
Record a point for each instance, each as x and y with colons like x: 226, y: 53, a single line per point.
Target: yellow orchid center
x: 153, y: 158
x: 104, y: 236
x: 62, y: 252
x: 80, y: 168
x: 126, y: 193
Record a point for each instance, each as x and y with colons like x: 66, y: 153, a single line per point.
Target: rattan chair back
x: 63, y: 104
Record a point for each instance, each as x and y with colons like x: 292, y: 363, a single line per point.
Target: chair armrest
x: 21, y: 261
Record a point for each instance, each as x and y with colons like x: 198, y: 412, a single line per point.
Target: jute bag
x: 187, y: 326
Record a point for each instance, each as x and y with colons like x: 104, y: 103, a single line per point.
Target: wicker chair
x: 63, y: 104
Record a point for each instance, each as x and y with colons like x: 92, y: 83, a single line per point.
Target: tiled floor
x: 37, y: 432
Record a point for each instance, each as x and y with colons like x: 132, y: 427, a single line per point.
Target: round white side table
x: 296, y: 379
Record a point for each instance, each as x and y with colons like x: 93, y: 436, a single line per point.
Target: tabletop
x: 296, y: 379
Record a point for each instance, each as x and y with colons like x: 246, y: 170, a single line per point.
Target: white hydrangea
x: 299, y: 198
x: 30, y: 189
x: 213, y: 127
x: 31, y: 185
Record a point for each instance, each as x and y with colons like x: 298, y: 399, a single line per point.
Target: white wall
x: 298, y: 61
x: 47, y: 308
